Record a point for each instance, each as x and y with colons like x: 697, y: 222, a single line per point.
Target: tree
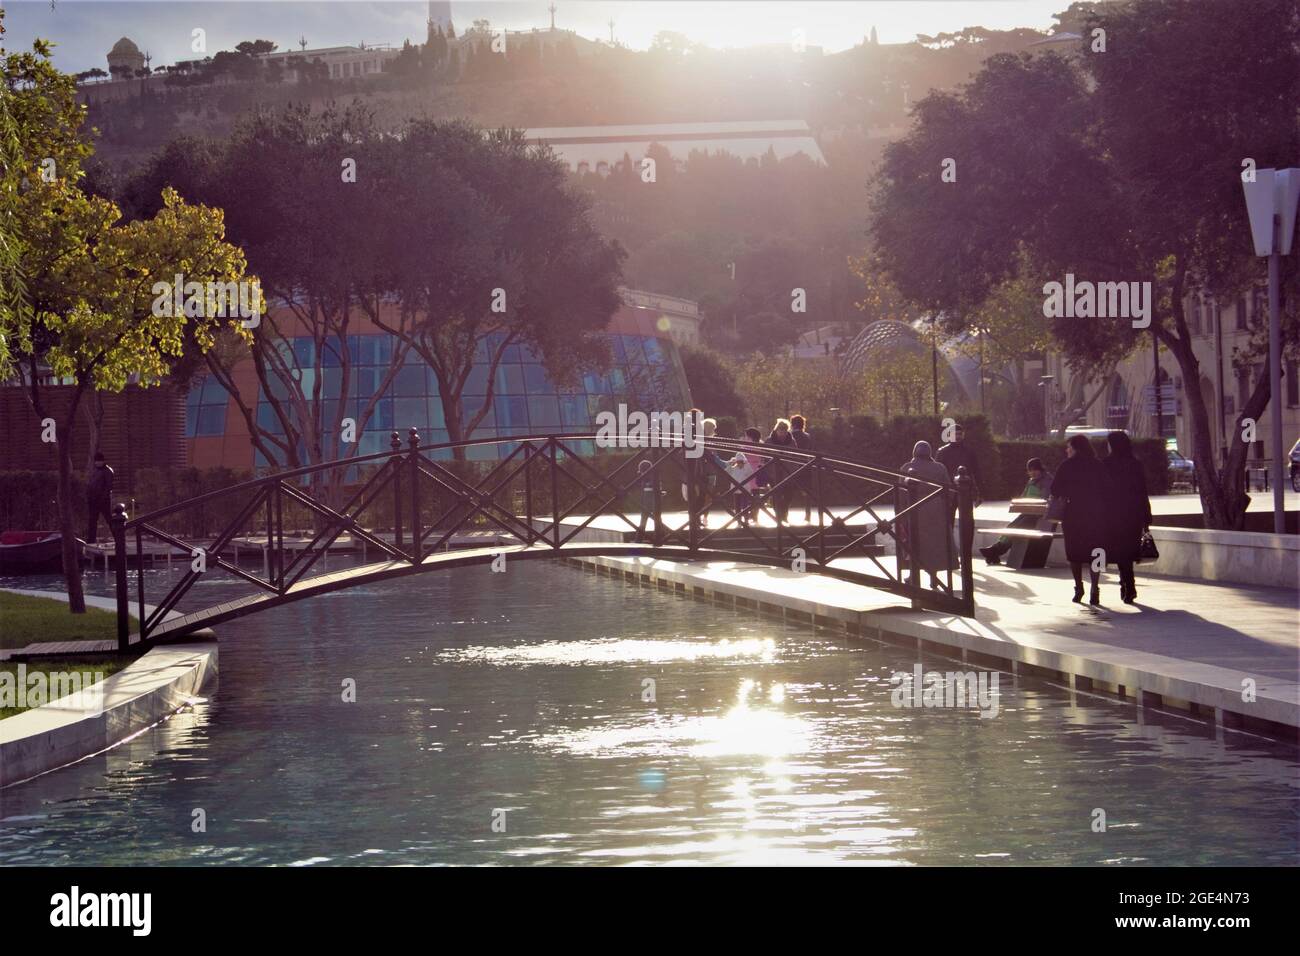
x: 712, y: 383
x: 90, y: 312
x: 315, y: 239
x: 1124, y: 167
x: 255, y: 47
x: 487, y: 250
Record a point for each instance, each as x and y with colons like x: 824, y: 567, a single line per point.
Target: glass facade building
x: 645, y: 373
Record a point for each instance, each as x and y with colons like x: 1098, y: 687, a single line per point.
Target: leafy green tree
x: 487, y: 250
x: 313, y: 232
x: 88, y: 314
x: 1115, y: 166
x: 712, y: 383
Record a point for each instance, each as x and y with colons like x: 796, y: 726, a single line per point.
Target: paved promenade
x: 1186, y: 645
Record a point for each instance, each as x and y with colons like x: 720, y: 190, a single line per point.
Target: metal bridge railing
x: 546, y: 491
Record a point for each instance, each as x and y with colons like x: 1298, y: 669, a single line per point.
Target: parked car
x: 1182, y: 471
x: 1295, y: 466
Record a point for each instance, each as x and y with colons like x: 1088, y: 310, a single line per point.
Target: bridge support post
x: 395, y: 442
x: 528, y: 490
x: 692, y: 502
x: 117, y: 522
x: 413, y: 441
x: 966, y: 532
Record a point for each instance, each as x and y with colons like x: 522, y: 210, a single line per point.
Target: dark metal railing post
x: 966, y: 529
x: 117, y: 522
x: 555, y: 491
x: 821, y: 515
x: 692, y: 515
x: 413, y: 441
x: 529, y: 454
x: 139, y: 579
x: 395, y: 442
x: 658, y: 510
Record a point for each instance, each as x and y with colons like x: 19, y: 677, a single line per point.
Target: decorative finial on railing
x: 395, y: 442
x: 412, y: 438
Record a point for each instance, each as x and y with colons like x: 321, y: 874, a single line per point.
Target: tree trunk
x: 71, y: 563
x: 1223, y: 491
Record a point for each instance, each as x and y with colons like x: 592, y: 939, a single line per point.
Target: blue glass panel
x: 654, y: 351
x: 410, y: 412
x: 632, y: 348
x: 329, y: 354
x: 372, y: 443
x: 510, y: 380
x: 304, y: 350
x: 512, y: 414
x: 409, y: 381
x: 383, y: 415
x: 573, y: 411
x: 620, y: 353
x: 333, y: 382
x: 595, y: 384
x: 191, y: 419
x: 543, y: 410
x: 617, y: 381
x: 537, y: 381
x: 472, y: 408
x: 476, y: 383
x: 212, y: 420
x: 367, y: 381
x: 307, y: 381
x: 528, y: 354
x: 267, y: 420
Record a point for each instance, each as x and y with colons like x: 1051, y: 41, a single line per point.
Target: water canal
x: 524, y: 692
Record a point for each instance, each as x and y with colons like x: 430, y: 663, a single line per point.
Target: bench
x: 1259, y: 468
x: 1029, y: 546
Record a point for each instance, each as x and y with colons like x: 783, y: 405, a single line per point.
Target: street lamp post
x: 1271, y: 199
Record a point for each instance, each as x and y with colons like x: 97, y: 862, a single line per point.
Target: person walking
x: 929, y: 534
x: 1081, y: 482
x: 1038, y: 486
x: 777, y: 470
x: 99, y: 490
x: 1129, y: 513
x: 803, y: 441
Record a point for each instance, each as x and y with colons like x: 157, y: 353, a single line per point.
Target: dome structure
x: 883, y: 337
x: 125, y: 58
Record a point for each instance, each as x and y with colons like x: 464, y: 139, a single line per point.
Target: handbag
x: 1147, y: 550
x: 1056, y: 508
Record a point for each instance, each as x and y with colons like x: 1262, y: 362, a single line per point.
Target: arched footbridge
x: 421, y: 508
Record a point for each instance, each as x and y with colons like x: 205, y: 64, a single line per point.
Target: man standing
x: 954, y: 455
x: 99, y: 490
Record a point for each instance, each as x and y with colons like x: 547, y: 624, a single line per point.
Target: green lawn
x: 103, y: 668
x: 27, y: 620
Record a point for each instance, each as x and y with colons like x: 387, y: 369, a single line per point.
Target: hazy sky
x: 85, y: 30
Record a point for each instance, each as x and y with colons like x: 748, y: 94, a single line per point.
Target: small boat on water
x: 33, y: 552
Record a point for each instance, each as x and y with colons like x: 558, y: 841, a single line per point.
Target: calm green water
x: 523, y: 692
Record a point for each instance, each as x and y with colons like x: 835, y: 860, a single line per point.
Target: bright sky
x: 85, y: 30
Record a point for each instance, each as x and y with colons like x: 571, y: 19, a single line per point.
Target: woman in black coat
x: 1081, y: 481
x: 1129, y: 514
